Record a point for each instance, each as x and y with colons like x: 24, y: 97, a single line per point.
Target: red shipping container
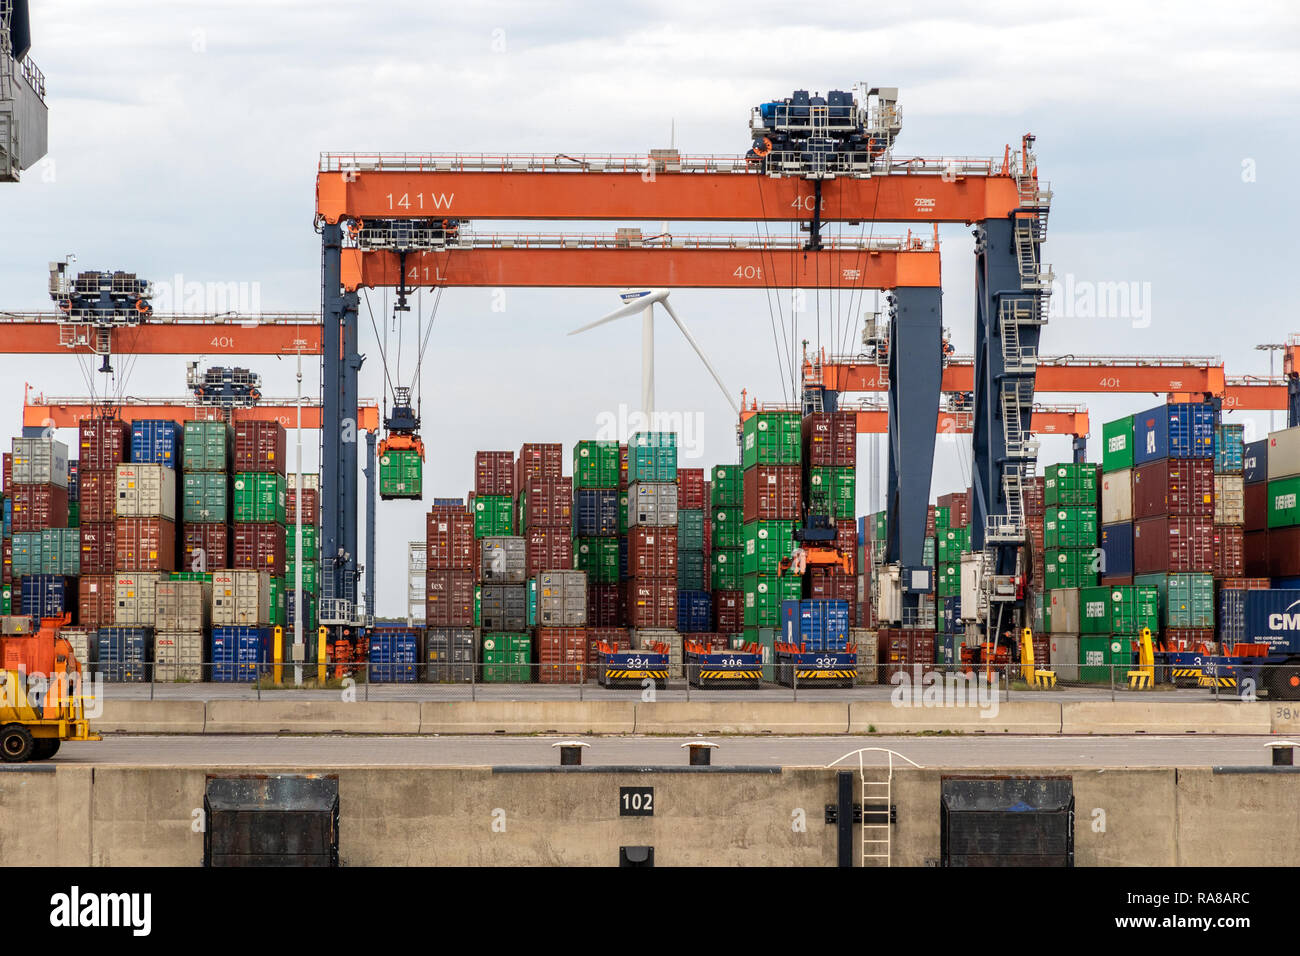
x: 617, y: 638
x: 1256, y: 558
x: 145, y: 544
x: 846, y: 536
x: 652, y: 552
x: 652, y: 602
x: 205, y: 547
x: 1187, y: 638
x: 892, y: 653
x: 929, y: 522
x: 690, y: 489
x: 1283, y: 552
x: 96, y: 600
x: 708, y: 535
x: 1173, y: 545
x: 311, y: 506
x: 1034, y: 498
x: 548, y: 549
x: 561, y: 654
x: 258, y: 546
x: 832, y: 584
x: 103, y: 443
x: 958, y: 505
x: 449, y: 598
x: 260, y: 447
x: 622, y: 466
x: 494, y: 473
x: 602, y: 605
x: 8, y: 551
x: 98, y: 547
x: 1246, y: 584
x: 773, y: 492
x: 449, y: 542
x: 98, y: 495
x: 831, y: 438
x: 546, y: 503
x: 1256, y: 501
x: 8, y: 475
x: 37, y: 507
x: 1116, y: 580
x: 729, y: 611
x: 1229, y: 551
x: 539, y: 460
x: 1173, y: 486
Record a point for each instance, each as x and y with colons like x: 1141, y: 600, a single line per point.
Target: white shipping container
x: 865, y: 641
x: 1064, y: 650
x: 40, y: 461
x: 1117, y: 496
x: 974, y: 565
x: 178, y: 655
x: 82, y: 644
x: 183, y: 605
x: 309, y: 482
x: 1284, y: 453
x: 241, y: 597
x: 146, y: 491
x: 889, y: 596
x: 641, y: 639
x: 1065, y: 612
x: 1229, y: 499
x: 562, y: 599
x: 136, y: 599
x: 652, y: 503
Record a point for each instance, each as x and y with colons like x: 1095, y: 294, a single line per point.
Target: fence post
x: 1112, y: 681
x: 473, y: 677
x: 686, y: 669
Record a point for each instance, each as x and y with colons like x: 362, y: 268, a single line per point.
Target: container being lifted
x: 401, y: 453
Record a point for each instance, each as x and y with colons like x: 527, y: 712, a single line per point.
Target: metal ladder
x: 8, y: 119
x: 877, y: 797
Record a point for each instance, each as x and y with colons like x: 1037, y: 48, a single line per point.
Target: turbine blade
x: 632, y: 308
x: 700, y: 352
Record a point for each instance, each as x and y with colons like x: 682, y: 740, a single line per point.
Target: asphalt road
x: 407, y: 751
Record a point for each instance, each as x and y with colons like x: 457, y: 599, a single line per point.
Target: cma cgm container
x: 156, y: 442
x: 1254, y: 462
x: 1273, y: 618
x: 1178, y: 430
x: 259, y: 447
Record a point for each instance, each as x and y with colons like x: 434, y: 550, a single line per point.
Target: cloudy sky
x: 184, y: 139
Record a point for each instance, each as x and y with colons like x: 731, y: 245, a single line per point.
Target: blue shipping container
x: 1273, y: 618
x: 622, y: 560
x: 124, y: 653
x: 1232, y: 616
x: 952, y: 615
x: 596, y: 512
x: 394, y: 653
x: 1179, y: 430
x: 862, y: 530
x: 1229, y: 449
x: 818, y: 625
x: 1286, y: 584
x: 156, y: 441
x: 694, y: 612
x: 1117, y: 550
x: 9, y: 517
x: 236, y: 652
x: 74, y: 482
x: 1254, y: 462
x: 449, y: 502
x: 45, y: 595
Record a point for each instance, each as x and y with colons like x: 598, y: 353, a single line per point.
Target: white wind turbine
x: 643, y: 301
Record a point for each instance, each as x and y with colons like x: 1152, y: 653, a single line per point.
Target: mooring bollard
x: 701, y: 752
x: 1283, y: 752
x: 570, y: 752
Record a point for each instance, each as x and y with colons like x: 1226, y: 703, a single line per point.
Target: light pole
x: 1271, y: 348
x: 299, y: 498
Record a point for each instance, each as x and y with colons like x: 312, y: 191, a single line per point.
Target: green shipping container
x: 595, y: 464
x: 310, y: 574
x: 1133, y: 608
x: 205, y: 496
x: 531, y: 615
x: 1284, y: 502
x: 74, y: 514
x: 622, y: 514
x: 728, y: 527
x: 942, y: 519
x: 929, y: 552
x: 1117, y: 445
x: 310, y: 541
x: 61, y: 551
x: 692, y: 573
x: 725, y: 569
x: 478, y: 605
x: 598, y: 557
x: 690, y: 530
x: 1190, y: 600
x: 950, y: 544
x: 1102, y: 654
x: 771, y: 438
x: 27, y: 549
x: 401, y: 474
x: 192, y: 576
x: 727, y: 487
x: 207, y: 446
x: 506, y: 657
x: 947, y: 580
x: 881, y: 524
x: 766, y: 543
x: 764, y: 594
x: 1071, y: 568
x: 6, y: 600
x: 1070, y: 484
x: 1070, y: 526
x: 832, y: 491
x: 277, y: 602
x: 258, y: 497
x: 493, y: 515
x: 652, y: 456
x: 1094, y: 610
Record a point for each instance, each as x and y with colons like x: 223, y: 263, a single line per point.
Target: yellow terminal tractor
x: 41, y: 700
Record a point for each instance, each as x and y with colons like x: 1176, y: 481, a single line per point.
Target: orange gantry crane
x: 40, y: 411
x: 52, y: 333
